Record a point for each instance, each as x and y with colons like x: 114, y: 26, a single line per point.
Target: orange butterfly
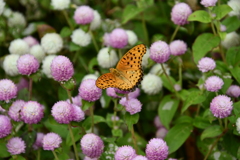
x: 128, y: 72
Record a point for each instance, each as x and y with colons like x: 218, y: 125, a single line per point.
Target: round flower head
x: 178, y: 47
x: 96, y: 22
x: 160, y: 52
x: 180, y: 13
x: 107, y: 57
x: 52, y: 43
x: 10, y: 64
x: 83, y: 15
x: 232, y: 39
x: 213, y: 83
x: 238, y: 125
x: 16, y: 19
x: 221, y: 106
x: 106, y: 39
x: 77, y: 113
x: 133, y: 106
x: 156, y: 149
x: 145, y: 58
x: 90, y: 76
x: 223, y: 28
x: 61, y: 68
x: 62, y: 112
x: 15, y: 109
x: 27, y: 64
x: 91, y: 145
x: 151, y: 84
x: 89, y: 91
x: 208, y: 3
x: 46, y: 66
x: 31, y: 41
x: 125, y: 153
x: 140, y: 157
x: 60, y: 4
x: 206, y: 64
x: 157, y: 122
x: 112, y: 93
x: 2, y: 4
x: 157, y: 69
x: 132, y: 37
x: 18, y: 46
x: 31, y: 112
x: 76, y: 100
x: 235, y: 5
x: 81, y: 38
x: 39, y: 141
x: 115, y: 118
x: 233, y: 91
x: 5, y: 126
x: 134, y: 94
x: 161, y: 132
x: 16, y: 146
x: 118, y: 38
x: 38, y: 52
x: 8, y: 90
x: 51, y: 141
x: 177, y: 87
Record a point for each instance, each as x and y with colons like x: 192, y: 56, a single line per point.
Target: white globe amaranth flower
x: 10, y: 64
x: 81, y: 38
x: 7, y: 12
x: 107, y: 58
x: 145, y: 58
x: 52, y: 43
x: 18, y: 46
x: 46, y: 65
x: 17, y: 20
x: 238, y: 125
x: 60, y: 4
x: 2, y: 4
x: 90, y: 76
x: 157, y: 69
x: 30, y: 29
x: 151, y: 84
x: 96, y: 22
x: 235, y: 5
x: 232, y: 39
x: 38, y: 52
x: 132, y: 37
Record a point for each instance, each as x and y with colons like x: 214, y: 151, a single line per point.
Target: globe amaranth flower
x: 92, y: 145
x: 145, y: 58
x: 107, y: 57
x: 140, y: 157
x: 238, y: 125
x: 208, y: 3
x: 31, y: 112
x: 106, y: 39
x: 60, y: 4
x: 206, y: 64
x: 156, y: 149
x: 38, y: 52
x: 233, y: 91
x: 5, y: 126
x: 76, y: 100
x: 39, y: 141
x: 61, y: 68
x: 10, y: 64
x: 96, y: 22
x: 177, y: 87
x: 157, y: 122
x: 161, y: 132
x: 232, y: 39
x: 27, y: 64
x: 160, y: 52
x: 235, y: 5
x: 151, y: 84
x: 118, y: 38
x: 31, y: 41
x: 46, y: 65
x: 112, y: 93
x: 180, y: 13
x: 16, y: 20
x: 62, y: 112
x: 221, y: 106
x: 121, y: 91
x: 16, y: 146
x: 132, y: 105
x: 77, y: 113
x: 15, y: 109
x: 18, y: 46
x: 2, y: 4
x: 30, y: 29
x: 52, y: 43
x: 223, y: 28
x: 81, y: 38
x: 51, y: 141
x: 134, y: 94
x: 83, y: 15
x: 89, y: 91
x: 132, y: 37
x: 178, y: 47
x: 125, y: 153
x: 23, y: 83
x: 90, y: 76
x: 8, y: 90
x: 158, y: 70
x: 213, y: 83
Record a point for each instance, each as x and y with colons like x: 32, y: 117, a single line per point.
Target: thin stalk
x: 30, y: 89
x: 134, y: 139
x: 212, y: 25
x: 226, y: 123
x: 180, y: 72
x: 38, y: 154
x: 94, y: 41
x: 220, y: 122
x: 92, y: 118
x: 174, y: 33
x: 145, y: 32
x: 69, y: 95
x: 78, y: 56
x: 198, y: 109
x: 115, y: 113
x: 73, y: 141
x: 67, y: 19
x: 55, y: 155
x: 119, y: 53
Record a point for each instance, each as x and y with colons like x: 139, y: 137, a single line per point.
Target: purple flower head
x: 118, y: 38
x: 51, y: 141
x: 62, y: 112
x: 61, y: 68
x: 208, y: 3
x: 83, y: 15
x: 121, y: 91
x: 23, y: 83
x: 180, y: 13
x: 206, y: 64
x: 161, y: 132
x: 106, y: 39
x: 156, y: 149
x: 27, y: 64
x: 77, y: 113
x: 112, y: 93
x: 133, y: 106
x: 31, y: 112
x: 157, y: 122
x: 8, y: 90
x: 223, y: 28
x: 140, y: 157
x: 123, y: 101
x: 213, y: 83
x: 125, y: 153
x: 160, y: 52
x: 89, y: 91
x: 221, y: 106
x: 233, y: 91
x: 39, y: 141
x: 76, y: 100
x: 115, y: 118
x: 178, y: 47
x: 15, y: 109
x: 92, y: 145
x: 134, y: 94
x: 5, y: 126
x: 16, y: 146
x: 31, y: 41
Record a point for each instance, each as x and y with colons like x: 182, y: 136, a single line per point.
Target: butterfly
x: 128, y: 73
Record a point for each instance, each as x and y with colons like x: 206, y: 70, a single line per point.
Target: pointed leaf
x: 221, y: 11
x: 233, y: 56
x: 200, y: 16
x: 129, y: 12
x: 211, y: 132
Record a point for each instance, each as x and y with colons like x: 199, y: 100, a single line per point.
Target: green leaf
x: 93, y: 62
x: 129, y: 12
x: 74, y: 47
x: 88, y: 122
x: 211, y: 132
x: 221, y: 11
x: 183, y: 119
x: 200, y: 16
x: 231, y: 23
x: 3, y: 150
x: 201, y: 122
x: 167, y: 84
x: 236, y: 73
x: 130, y: 120
x: 86, y: 105
x: 226, y: 85
x: 117, y: 133
x: 236, y: 108
x: 233, y: 56
x: 231, y: 144
x: 177, y: 135
x: 65, y: 32
x: 62, y: 93
x: 76, y: 134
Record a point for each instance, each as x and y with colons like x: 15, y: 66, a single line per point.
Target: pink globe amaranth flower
x: 5, y: 126
x: 15, y: 109
x: 125, y: 153
x: 106, y: 39
x: 123, y: 101
x: 180, y: 13
x: 83, y: 15
x: 76, y: 100
x: 118, y: 38
x: 27, y: 64
x: 61, y: 68
x: 178, y: 47
x: 31, y: 41
x: 89, y: 91
x: 160, y: 52
x: 112, y: 93
x: 213, y: 83
x: 133, y: 106
x: 161, y: 132
x: 223, y: 28
x: 92, y: 145
x: 157, y: 122
x: 221, y: 106
x: 77, y: 113
x: 62, y: 112
x: 206, y: 64
x: 16, y: 146
x: 39, y: 141
x: 121, y: 91
x: 156, y: 149
x: 31, y: 112
x: 51, y: 141
x: 208, y: 3
x: 23, y: 83
x: 140, y: 157
x: 115, y: 118
x: 233, y: 91
x: 134, y: 94
x: 8, y: 90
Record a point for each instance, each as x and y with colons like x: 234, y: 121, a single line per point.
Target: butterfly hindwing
x: 106, y: 80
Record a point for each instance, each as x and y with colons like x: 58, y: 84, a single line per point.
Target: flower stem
x: 212, y: 25
x: 73, y: 141
x: 38, y: 154
x: 145, y: 29
x: 94, y: 41
x: 174, y: 33
x: 69, y: 95
x: 92, y: 117
x: 67, y: 19
x: 119, y: 53
x: 30, y: 89
x: 115, y: 113
x: 134, y: 139
x: 55, y: 155
x: 180, y: 71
